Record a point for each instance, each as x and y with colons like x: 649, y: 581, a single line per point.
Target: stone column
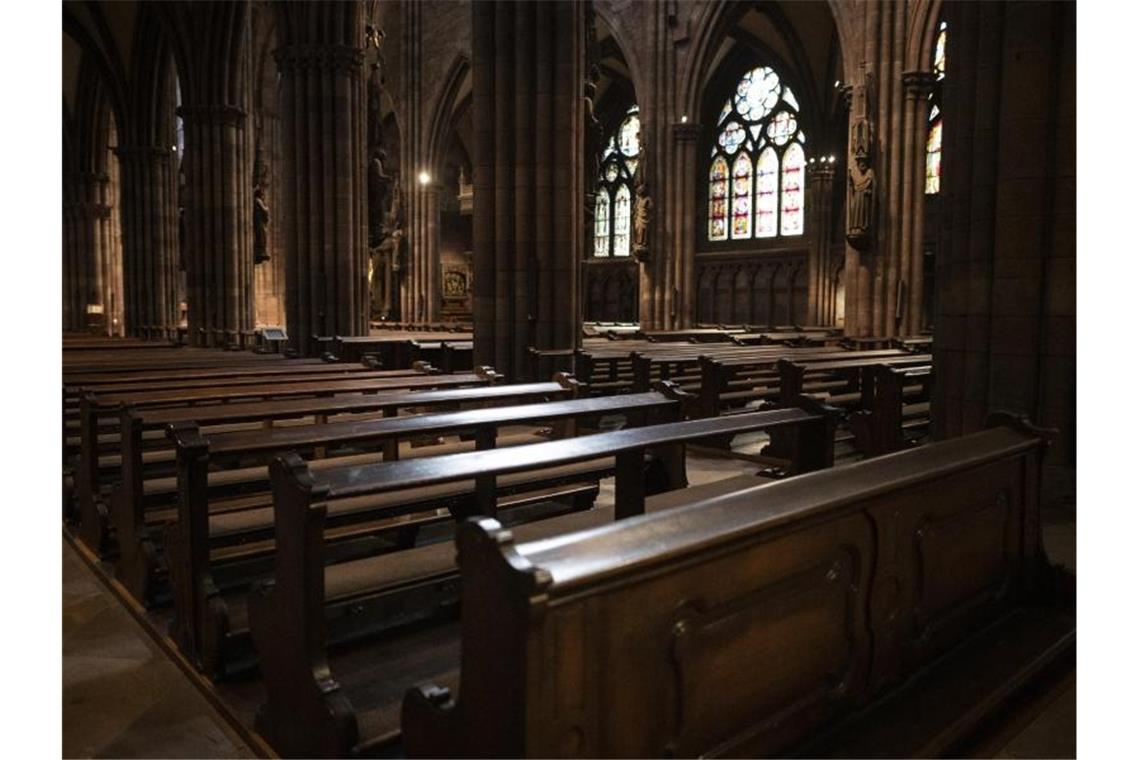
x: 528, y: 176
x: 219, y: 233
x: 683, y: 213
x: 918, y: 86
x: 821, y: 176
x: 150, y: 239
x: 424, y: 251
x: 324, y: 212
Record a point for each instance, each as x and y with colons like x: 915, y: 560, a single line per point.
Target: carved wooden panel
x: 758, y: 290
x: 733, y: 666
x: 961, y: 555
x: 611, y: 291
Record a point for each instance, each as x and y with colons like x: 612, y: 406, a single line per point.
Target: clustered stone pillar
x: 323, y: 202
x: 1005, y: 320
x: 150, y: 239
x: 86, y: 218
x: 219, y: 241
x: 528, y: 177
x: 918, y: 87
x: 681, y: 285
x: 821, y: 286
x: 880, y: 287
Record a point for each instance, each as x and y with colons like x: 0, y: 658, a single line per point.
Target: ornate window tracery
x: 614, y: 191
x: 759, y: 137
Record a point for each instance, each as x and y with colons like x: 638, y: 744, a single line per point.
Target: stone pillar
x: 81, y: 211
x: 821, y: 177
x: 219, y: 233
x: 683, y: 212
x: 528, y: 176
x: 918, y: 87
x: 424, y: 252
x: 324, y: 212
x: 1005, y: 321
x: 149, y: 196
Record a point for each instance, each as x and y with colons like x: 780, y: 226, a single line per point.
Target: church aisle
x: 122, y: 697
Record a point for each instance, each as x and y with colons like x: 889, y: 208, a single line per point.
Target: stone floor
x: 122, y: 697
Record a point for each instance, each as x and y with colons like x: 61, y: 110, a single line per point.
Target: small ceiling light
x: 831, y: 159
x: 684, y: 119
x: 425, y: 178
x: 837, y: 83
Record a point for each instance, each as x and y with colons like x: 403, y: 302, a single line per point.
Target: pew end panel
x: 508, y: 598
x: 305, y: 713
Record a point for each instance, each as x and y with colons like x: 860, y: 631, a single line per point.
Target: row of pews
x: 372, y: 561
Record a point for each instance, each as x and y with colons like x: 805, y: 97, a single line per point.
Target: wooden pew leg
x: 200, y: 625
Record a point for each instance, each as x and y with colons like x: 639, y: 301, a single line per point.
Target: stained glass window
x: 934, y: 158
x: 934, y: 120
x: 621, y: 221
x: 718, y: 199
x: 619, y: 163
x: 759, y: 136
x: 792, y: 191
x: 742, y: 197
x: 602, y: 224
x: 767, y: 169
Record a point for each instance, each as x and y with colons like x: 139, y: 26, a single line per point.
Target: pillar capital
x: 686, y: 131
x: 292, y: 59
x: 144, y: 152
x: 919, y: 84
x: 212, y: 114
x: 821, y: 170
x: 846, y: 92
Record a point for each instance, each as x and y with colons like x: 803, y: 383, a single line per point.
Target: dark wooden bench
x: 94, y: 522
x: 881, y: 609
x: 206, y: 545
x: 145, y: 485
x: 890, y: 415
x: 731, y: 383
x: 304, y: 714
x: 846, y: 373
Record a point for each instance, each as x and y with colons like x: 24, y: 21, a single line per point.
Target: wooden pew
x: 730, y: 383
x: 203, y: 542
x: 94, y: 522
x: 137, y: 489
x: 888, y: 413
x: 305, y: 714
x: 849, y: 371
x: 880, y: 609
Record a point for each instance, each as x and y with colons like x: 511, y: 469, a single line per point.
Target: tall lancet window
x: 615, y: 187
x: 759, y: 137
x: 934, y: 119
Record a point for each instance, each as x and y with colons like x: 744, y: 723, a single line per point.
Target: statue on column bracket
x: 260, y: 227
x: 378, y: 187
x: 860, y: 186
x: 642, y: 215
x: 260, y: 207
x: 594, y: 137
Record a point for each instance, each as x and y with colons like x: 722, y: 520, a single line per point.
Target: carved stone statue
x: 379, y: 184
x: 260, y: 227
x: 860, y: 188
x: 594, y: 137
x: 642, y: 214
